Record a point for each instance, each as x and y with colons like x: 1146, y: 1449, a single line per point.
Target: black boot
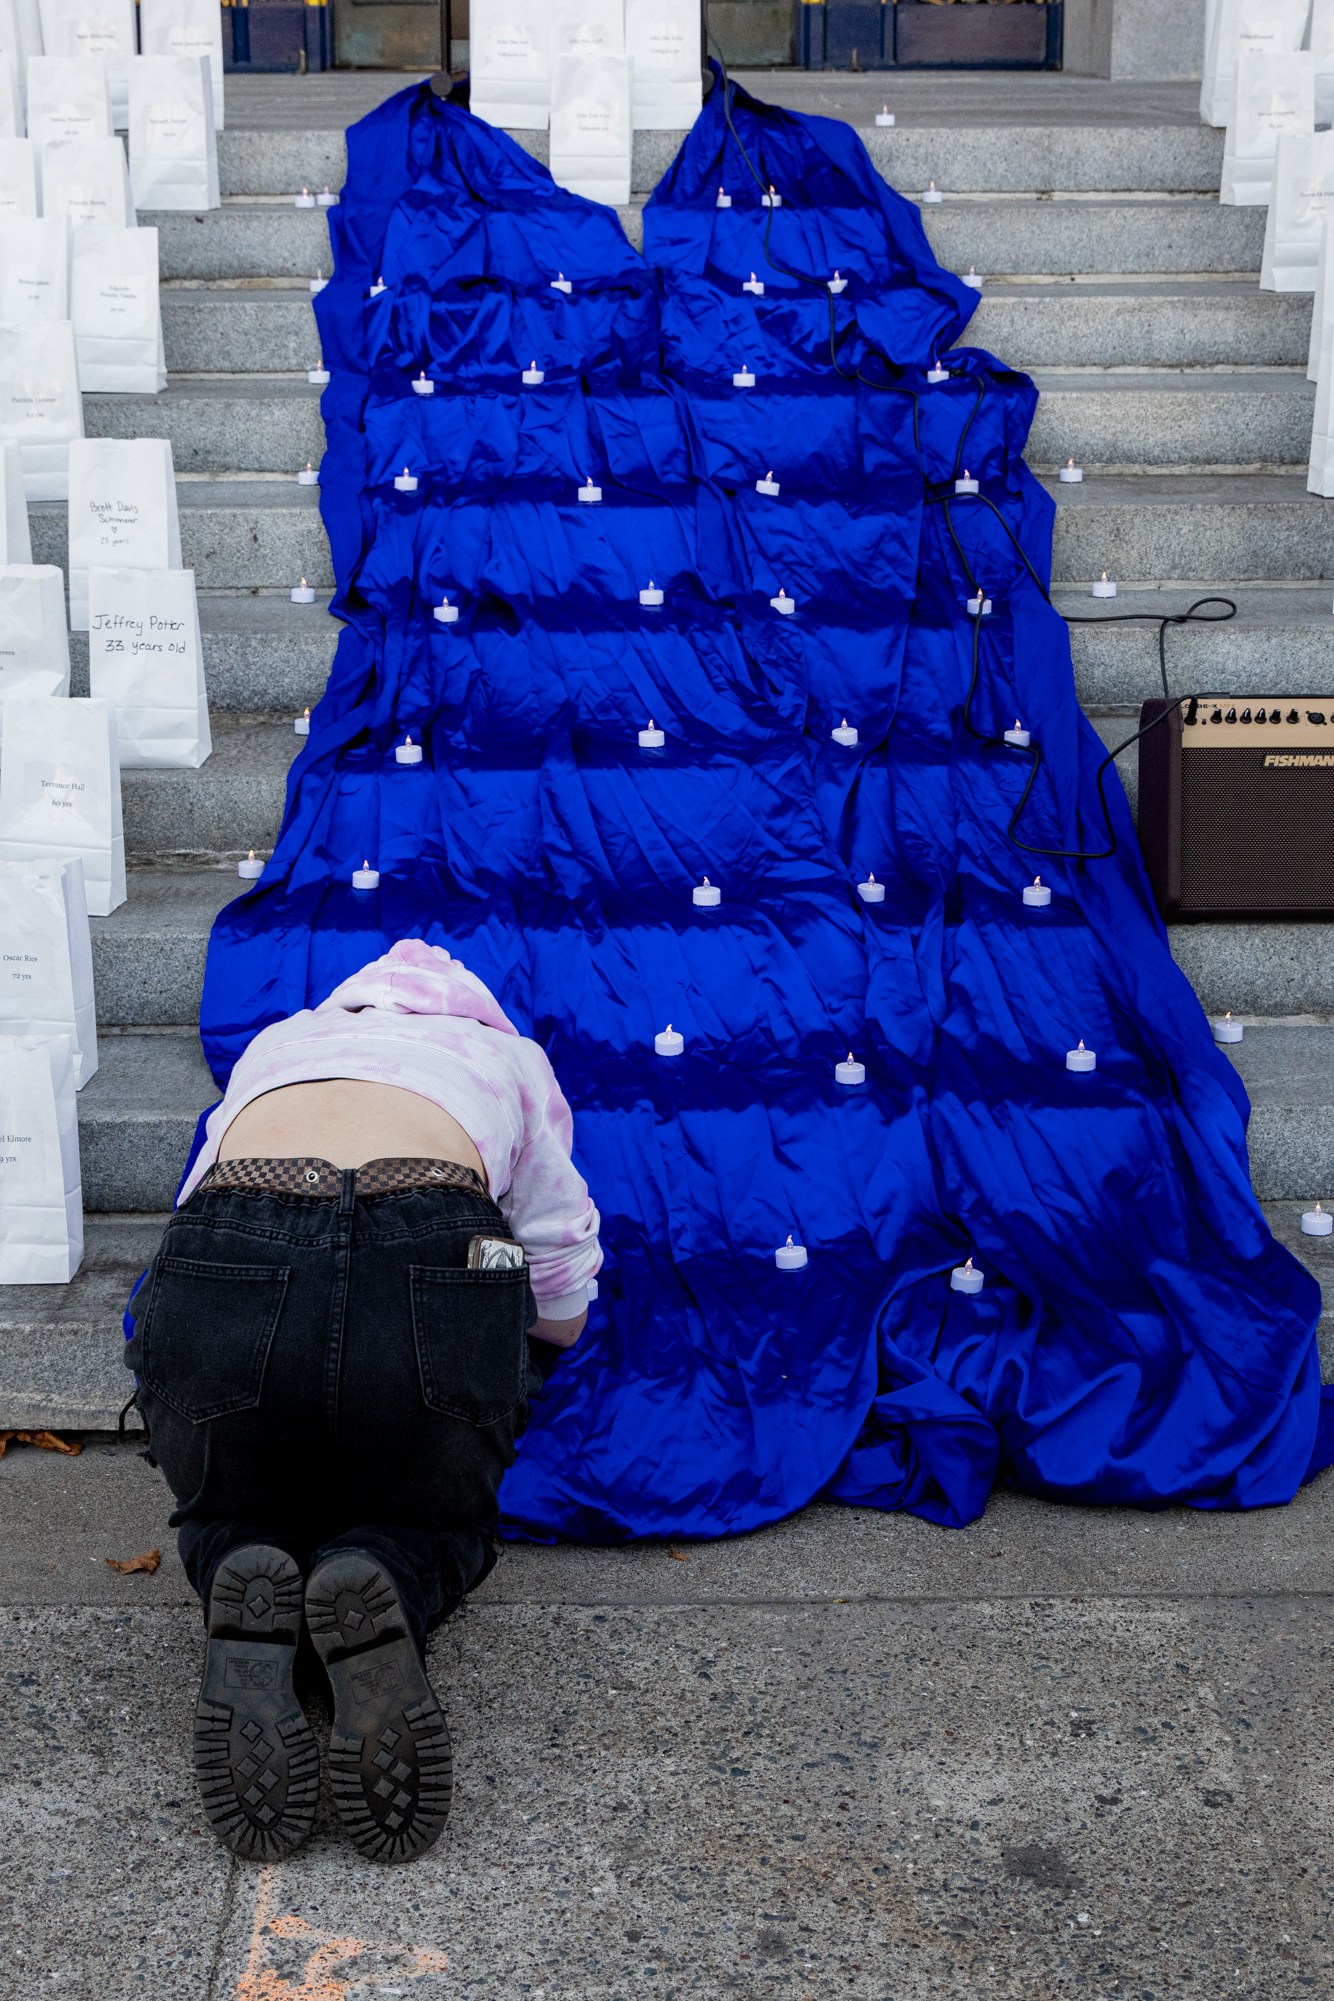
x: 390, y: 1760
x: 255, y: 1757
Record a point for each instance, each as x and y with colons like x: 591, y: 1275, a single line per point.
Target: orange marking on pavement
x: 326, y: 1975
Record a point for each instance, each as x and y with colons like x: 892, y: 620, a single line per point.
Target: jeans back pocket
x: 205, y: 1334
x: 470, y: 1330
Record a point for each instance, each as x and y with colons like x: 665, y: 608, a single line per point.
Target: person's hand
x: 560, y: 1333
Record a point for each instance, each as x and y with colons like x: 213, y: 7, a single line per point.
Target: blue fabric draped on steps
x: 1141, y: 1336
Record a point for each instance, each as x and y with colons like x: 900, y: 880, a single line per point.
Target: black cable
x: 1195, y: 615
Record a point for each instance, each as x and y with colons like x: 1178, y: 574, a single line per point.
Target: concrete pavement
x: 1061, y: 1754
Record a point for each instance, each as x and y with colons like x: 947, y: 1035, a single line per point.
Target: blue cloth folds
x: 1140, y: 1337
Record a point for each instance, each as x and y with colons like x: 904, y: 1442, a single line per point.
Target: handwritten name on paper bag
x: 173, y: 130
x: 85, y: 203
x: 120, y: 636
x: 52, y: 797
x: 119, y: 302
x: 11, y: 1143
x: 32, y: 405
x: 62, y: 122
x: 665, y: 43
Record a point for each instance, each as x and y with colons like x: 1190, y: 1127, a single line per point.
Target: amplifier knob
x: 1245, y: 715
x: 1217, y: 716
x: 1293, y: 717
x: 1260, y: 716
x: 1276, y: 715
x: 1231, y: 716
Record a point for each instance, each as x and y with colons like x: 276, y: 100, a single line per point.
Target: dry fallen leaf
x: 45, y: 1441
x: 51, y: 1441
x: 149, y: 1561
x: 680, y: 1555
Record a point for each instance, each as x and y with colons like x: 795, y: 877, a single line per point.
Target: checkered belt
x: 320, y: 1180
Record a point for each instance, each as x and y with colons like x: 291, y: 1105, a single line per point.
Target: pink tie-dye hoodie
x: 420, y: 1020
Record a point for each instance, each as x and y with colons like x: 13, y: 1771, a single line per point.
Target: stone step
x: 1281, y: 642
x: 62, y: 1347
x: 1112, y: 420
x: 1033, y: 158
x: 1063, y: 323
x: 1024, y: 235
x: 1017, y: 234
x: 1247, y: 527
x: 148, y: 956
x: 262, y: 653
x: 1134, y: 421
x: 233, y: 802
x: 231, y: 423
x: 240, y: 534
x: 266, y: 328
x: 138, y: 1114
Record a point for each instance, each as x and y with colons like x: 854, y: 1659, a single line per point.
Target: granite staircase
x: 1112, y: 274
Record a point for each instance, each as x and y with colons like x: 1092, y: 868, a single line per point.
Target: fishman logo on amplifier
x: 1299, y: 760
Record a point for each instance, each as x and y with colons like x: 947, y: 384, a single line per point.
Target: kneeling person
x: 380, y: 1250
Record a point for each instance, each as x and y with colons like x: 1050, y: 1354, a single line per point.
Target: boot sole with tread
x: 255, y: 1755
x: 391, y: 1765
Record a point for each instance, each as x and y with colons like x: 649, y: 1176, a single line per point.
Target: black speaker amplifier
x: 1236, y: 804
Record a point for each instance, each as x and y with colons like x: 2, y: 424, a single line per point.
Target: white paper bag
x: 12, y: 123
x: 1323, y: 303
x: 116, y: 309
x: 122, y: 512
x: 18, y: 177
x: 662, y: 40
x: 1320, y: 41
x: 1215, y: 85
x: 68, y: 98
x: 34, y: 270
x: 40, y: 405
x: 146, y: 659
x: 20, y: 37
x: 41, y: 1193
x: 46, y: 958
x: 587, y: 28
x: 1251, y: 27
x: 60, y: 791
x: 186, y: 28
x: 1272, y: 95
x: 590, y: 127
x: 34, y: 643
x: 88, y: 180
x: 510, y: 62
x: 1303, y: 197
x: 101, y: 29
x: 173, y: 150
x: 15, y: 536
x: 1320, y: 472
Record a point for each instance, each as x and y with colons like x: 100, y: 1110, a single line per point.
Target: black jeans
x: 328, y: 1373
